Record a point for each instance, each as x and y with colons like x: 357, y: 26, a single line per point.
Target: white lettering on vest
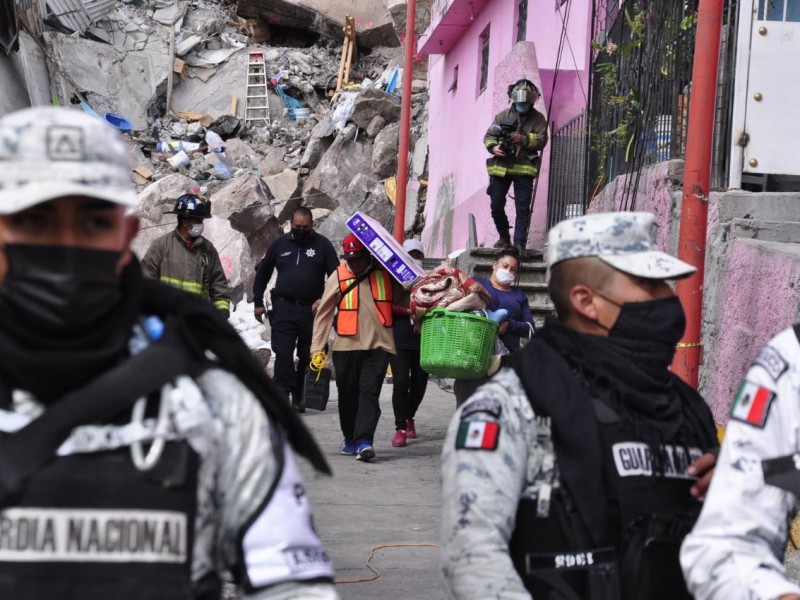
x: 81, y: 535
x: 635, y: 458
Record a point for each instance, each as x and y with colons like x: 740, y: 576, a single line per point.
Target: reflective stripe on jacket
x: 197, y: 270
x: 380, y: 284
x: 534, y: 126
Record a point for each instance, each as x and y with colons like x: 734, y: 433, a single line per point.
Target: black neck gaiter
x: 65, y: 317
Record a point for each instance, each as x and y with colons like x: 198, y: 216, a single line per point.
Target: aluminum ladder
x: 256, y: 111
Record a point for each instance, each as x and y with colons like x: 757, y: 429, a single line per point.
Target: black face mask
x: 300, y: 235
x: 659, y: 321
x: 59, y: 291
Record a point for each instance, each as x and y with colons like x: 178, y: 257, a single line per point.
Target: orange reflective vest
x: 380, y: 282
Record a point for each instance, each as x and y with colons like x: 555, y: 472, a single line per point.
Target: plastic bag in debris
x: 344, y: 110
x: 221, y: 170
x: 215, y: 143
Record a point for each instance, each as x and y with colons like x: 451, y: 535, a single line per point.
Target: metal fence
x: 639, y: 107
x: 567, y: 194
x: 641, y: 82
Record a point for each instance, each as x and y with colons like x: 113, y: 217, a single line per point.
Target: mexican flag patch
x: 477, y: 435
x: 751, y: 404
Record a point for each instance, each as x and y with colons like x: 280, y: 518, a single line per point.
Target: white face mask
x: 196, y: 230
x: 504, y: 276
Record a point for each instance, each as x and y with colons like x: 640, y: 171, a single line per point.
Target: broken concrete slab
x: 188, y: 44
x: 372, y: 102
x: 171, y: 13
x: 283, y: 186
x: 362, y: 194
x: 129, y: 80
x: 328, y: 182
x: 272, y: 163
x: 384, y: 153
x: 323, y: 129
x: 315, y: 149
x: 375, y: 125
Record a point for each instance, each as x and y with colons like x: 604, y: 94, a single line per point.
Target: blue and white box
x: 386, y: 249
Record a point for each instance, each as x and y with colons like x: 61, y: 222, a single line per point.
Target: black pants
x: 523, y: 190
x: 359, y: 377
x: 409, y: 385
x: 291, y: 328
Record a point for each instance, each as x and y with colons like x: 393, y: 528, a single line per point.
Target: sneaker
x: 503, y: 242
x: 411, y: 431
x: 348, y: 448
x: 365, y: 451
x: 520, y: 249
x: 299, y: 404
x: 399, y: 439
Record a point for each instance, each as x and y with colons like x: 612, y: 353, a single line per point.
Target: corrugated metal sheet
x: 78, y: 15
x: 97, y: 9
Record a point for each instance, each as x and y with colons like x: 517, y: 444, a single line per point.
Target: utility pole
x: 696, y: 181
x: 405, y: 125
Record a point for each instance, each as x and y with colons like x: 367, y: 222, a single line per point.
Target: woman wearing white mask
x: 519, y: 322
x: 516, y: 324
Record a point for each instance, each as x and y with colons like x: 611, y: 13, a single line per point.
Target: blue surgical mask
x: 522, y: 107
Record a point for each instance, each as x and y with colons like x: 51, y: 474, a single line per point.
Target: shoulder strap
x: 358, y: 280
x: 27, y: 450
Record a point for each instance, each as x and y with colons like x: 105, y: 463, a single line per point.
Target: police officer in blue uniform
x: 303, y: 259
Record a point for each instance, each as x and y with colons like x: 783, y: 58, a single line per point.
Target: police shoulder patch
x: 489, y: 406
x: 751, y: 404
x: 478, y: 435
x: 771, y: 361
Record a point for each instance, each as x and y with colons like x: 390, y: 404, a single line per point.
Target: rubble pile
x: 175, y: 73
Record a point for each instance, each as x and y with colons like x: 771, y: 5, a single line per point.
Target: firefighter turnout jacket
x: 194, y: 268
x: 524, y: 160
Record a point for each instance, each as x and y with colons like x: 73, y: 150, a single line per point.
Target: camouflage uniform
x: 478, y: 517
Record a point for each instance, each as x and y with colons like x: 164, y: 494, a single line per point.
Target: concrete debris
x: 384, y: 153
x: 372, y: 102
x: 334, y: 162
x: 374, y: 26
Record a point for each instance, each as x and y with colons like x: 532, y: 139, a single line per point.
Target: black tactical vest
x: 648, y: 510
x: 93, y: 527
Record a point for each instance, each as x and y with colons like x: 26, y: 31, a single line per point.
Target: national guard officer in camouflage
x: 570, y: 474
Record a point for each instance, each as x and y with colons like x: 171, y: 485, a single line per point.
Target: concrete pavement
x: 392, y: 500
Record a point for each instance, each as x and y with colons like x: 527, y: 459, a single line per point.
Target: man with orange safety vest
x: 357, y: 303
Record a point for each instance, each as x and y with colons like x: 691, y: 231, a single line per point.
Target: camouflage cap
x: 623, y: 240
x: 49, y: 152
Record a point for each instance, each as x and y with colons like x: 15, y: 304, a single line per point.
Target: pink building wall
x: 459, y: 118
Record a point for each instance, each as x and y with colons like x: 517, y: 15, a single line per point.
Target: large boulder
x: 365, y: 195
x: 372, y: 102
x: 328, y: 182
x: 244, y: 203
x: 283, y: 186
x: 272, y: 163
x: 384, y: 154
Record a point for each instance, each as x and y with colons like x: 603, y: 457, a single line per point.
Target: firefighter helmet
x: 189, y: 205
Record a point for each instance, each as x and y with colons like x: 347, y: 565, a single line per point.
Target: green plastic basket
x: 457, y: 344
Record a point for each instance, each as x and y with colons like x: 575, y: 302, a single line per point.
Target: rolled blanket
x: 441, y: 288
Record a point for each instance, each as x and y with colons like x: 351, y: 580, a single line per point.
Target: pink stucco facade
x: 459, y: 117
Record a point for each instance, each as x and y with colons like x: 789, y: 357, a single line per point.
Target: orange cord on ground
x: 372, y: 554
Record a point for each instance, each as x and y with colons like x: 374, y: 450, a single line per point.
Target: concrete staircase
x: 478, y: 261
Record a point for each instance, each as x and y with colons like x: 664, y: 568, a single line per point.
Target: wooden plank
x: 169, y: 73
x: 234, y: 103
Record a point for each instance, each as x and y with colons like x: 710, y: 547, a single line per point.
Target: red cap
x: 352, y: 246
